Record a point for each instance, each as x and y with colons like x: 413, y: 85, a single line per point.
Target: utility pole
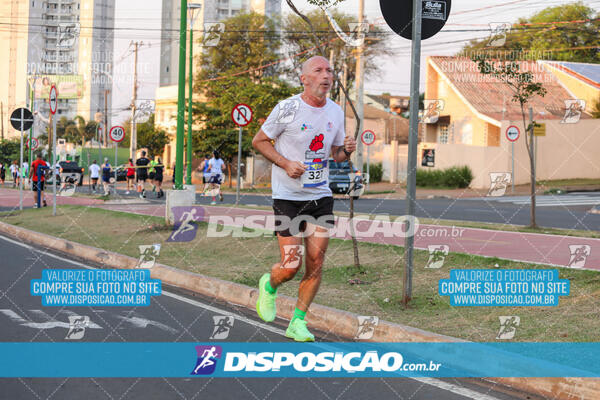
x: 2, y: 119
x: 411, y: 178
x: 360, y: 85
x: 133, y: 141
x: 344, y: 100
x: 104, y: 138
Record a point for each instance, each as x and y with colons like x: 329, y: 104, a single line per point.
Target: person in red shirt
x: 130, y: 176
x: 34, y: 179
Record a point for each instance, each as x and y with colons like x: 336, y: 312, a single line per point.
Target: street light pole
x: 192, y: 8
x: 181, y: 98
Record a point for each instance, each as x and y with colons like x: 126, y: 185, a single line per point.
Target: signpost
x: 241, y: 116
x: 53, y: 101
x: 512, y: 134
x: 117, y: 134
x: 429, y: 18
x: 368, y: 138
x: 21, y: 119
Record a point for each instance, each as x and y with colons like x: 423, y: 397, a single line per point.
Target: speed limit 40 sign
x: 368, y: 137
x: 117, y: 134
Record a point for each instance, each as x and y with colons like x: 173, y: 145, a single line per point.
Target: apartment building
x: 65, y: 42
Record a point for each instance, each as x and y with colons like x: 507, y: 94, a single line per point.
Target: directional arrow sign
x: 241, y: 115
x: 513, y: 133
x: 21, y: 119
x: 53, y: 99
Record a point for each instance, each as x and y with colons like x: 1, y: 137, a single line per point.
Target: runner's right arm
x: 262, y: 143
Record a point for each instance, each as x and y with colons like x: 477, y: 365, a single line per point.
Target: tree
x: 596, y: 108
x: 580, y: 40
x: 297, y: 40
x: 9, y: 151
x: 149, y: 136
x: 250, y: 42
x: 524, y: 88
x: 76, y: 129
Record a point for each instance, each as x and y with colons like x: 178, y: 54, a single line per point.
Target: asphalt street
x: 175, y: 316
x: 552, y: 212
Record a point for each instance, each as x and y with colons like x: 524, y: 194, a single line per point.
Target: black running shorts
x: 318, y: 212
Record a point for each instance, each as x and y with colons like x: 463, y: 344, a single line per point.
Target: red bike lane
x: 565, y: 251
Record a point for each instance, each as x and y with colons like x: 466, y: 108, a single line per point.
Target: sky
x: 140, y: 20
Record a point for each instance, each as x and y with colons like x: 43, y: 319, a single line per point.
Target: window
x: 443, y: 137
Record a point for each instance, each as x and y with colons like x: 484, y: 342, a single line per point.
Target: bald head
x: 317, y: 77
x: 308, y: 64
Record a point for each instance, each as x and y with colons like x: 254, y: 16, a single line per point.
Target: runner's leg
x: 315, y: 247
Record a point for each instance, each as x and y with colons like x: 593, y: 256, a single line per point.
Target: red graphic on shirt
x: 316, y: 145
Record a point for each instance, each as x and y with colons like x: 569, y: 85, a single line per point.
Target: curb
x: 323, y: 318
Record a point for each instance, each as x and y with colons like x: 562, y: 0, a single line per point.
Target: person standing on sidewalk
x: 130, y: 176
x: 106, y: 173
x: 307, y: 129
x: 38, y: 182
x: 14, y: 170
x: 2, y: 173
x: 142, y: 174
x: 94, y: 174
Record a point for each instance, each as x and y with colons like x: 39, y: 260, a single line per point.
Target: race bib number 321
x: 315, y: 175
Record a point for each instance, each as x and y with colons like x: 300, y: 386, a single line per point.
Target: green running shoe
x: 265, y: 305
x: 298, y: 331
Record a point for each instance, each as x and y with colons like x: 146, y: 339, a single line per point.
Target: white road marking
x: 468, y: 393
x: 450, y: 387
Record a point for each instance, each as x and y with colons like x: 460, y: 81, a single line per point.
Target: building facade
x: 65, y: 42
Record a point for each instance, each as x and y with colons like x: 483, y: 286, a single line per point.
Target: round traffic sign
x: 53, y: 99
x: 399, y: 15
x: 241, y: 114
x: 368, y: 137
x: 21, y: 119
x: 117, y: 134
x: 34, y: 143
x: 513, y: 133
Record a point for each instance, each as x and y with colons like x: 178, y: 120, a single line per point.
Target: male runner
x: 142, y: 174
x: 307, y: 128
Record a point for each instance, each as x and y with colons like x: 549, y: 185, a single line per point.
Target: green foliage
x: 375, y: 172
x: 218, y: 130
x: 250, y: 41
x: 596, y: 108
x: 9, y: 151
x: 454, y: 177
x: 76, y: 130
x: 148, y: 136
x: 543, y: 39
x: 298, y: 39
x: 324, y: 3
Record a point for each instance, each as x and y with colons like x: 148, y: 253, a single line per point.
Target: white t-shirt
x: 216, y: 166
x: 304, y: 133
x: 94, y: 171
x: 13, y: 168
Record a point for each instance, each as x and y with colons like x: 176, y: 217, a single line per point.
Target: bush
x: 375, y: 171
x: 455, y: 177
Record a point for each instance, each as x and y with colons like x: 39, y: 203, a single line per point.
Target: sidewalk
x: 516, y: 246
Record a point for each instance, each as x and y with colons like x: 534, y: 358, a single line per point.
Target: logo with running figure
x: 508, y: 327
x: 579, y: 254
x: 366, y: 327
x: 223, y: 324
x: 316, y: 152
x: 77, y: 325
x: 185, y: 227
x: 207, y: 359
